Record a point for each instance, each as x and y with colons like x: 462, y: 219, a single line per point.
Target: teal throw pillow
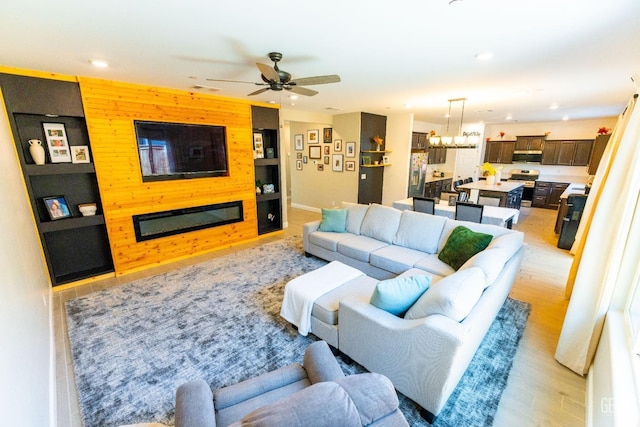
x: 334, y: 220
x: 461, y: 245
x: 397, y: 295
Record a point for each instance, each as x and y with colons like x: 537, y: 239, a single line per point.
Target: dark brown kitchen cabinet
x: 419, y: 141
x: 596, y: 152
x: 437, y: 155
x: 499, y: 151
x: 567, y: 152
x: 547, y: 194
x: 534, y: 142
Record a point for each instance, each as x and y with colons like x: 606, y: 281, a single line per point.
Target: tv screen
x: 179, y: 151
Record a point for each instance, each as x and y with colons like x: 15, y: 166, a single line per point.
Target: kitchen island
x: 509, y: 193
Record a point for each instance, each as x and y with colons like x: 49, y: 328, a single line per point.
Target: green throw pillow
x: 334, y: 220
x: 461, y: 245
x: 397, y: 295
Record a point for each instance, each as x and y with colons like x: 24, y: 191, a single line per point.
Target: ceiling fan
x: 277, y: 79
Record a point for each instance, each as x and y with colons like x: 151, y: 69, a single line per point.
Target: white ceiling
x: 578, y: 54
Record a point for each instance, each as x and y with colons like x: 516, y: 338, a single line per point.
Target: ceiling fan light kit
x: 277, y: 80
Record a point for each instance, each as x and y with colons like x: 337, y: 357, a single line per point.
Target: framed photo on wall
x: 327, y: 133
x: 351, y: 149
x: 315, y: 152
x: 57, y: 207
x: 299, y: 165
x: 327, y: 150
x: 337, y: 145
x: 258, y: 145
x: 326, y: 160
x: 57, y: 142
x: 350, y: 165
x: 299, y: 142
x: 313, y: 136
x: 337, y: 163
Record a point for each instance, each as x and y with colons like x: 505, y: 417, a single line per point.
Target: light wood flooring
x: 540, y: 391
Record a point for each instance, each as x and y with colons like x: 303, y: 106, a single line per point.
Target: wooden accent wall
x: 110, y: 109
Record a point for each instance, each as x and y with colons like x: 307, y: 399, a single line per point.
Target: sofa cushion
x: 491, y: 261
x: 359, y: 247
x: 453, y: 296
x: 451, y: 224
x: 510, y: 242
x: 326, y: 307
x: 327, y: 239
x: 432, y: 264
x: 395, y: 259
x: 334, y: 220
x: 381, y: 223
x: 398, y: 294
x: 419, y: 231
x: 355, y: 215
x: 461, y: 245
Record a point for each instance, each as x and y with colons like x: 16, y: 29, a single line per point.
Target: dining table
x: 495, y: 215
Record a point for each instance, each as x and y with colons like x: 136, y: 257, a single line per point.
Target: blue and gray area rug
x: 133, y: 345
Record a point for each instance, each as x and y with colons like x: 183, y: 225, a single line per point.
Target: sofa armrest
x: 307, y: 229
x: 320, y: 363
x: 194, y: 405
x: 423, y: 358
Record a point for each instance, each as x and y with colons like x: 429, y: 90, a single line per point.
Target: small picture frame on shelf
x: 327, y: 132
x: 350, y: 165
x: 299, y: 142
x: 337, y: 145
x: 351, y: 149
x: 268, y: 189
x: 258, y: 146
x: 337, y: 163
x: 385, y: 160
x: 57, y: 207
x: 57, y: 142
x: 80, y: 154
x: 315, y: 152
x: 313, y: 136
x: 298, y: 165
x: 366, y: 160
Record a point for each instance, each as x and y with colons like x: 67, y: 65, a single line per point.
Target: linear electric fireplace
x: 167, y: 223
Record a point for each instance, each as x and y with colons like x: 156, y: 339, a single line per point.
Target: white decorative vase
x: 37, y: 151
x: 491, y: 180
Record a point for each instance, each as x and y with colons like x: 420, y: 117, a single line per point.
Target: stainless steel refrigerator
x: 417, y: 174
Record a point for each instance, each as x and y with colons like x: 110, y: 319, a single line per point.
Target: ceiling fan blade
x: 301, y: 90
x: 229, y: 81
x: 269, y: 72
x: 259, y: 91
x: 317, y: 80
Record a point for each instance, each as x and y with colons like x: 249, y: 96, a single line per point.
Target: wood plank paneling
x: 110, y: 109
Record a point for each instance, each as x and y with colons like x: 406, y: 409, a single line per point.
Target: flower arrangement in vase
x: 491, y: 172
x: 378, y: 142
x: 603, y: 131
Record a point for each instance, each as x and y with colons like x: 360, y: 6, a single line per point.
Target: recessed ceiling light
x: 509, y: 117
x: 565, y: 118
x: 484, y: 56
x: 553, y: 107
x: 293, y: 97
x: 408, y: 105
x: 99, y: 63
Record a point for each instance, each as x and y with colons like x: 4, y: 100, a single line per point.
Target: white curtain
x: 603, y: 267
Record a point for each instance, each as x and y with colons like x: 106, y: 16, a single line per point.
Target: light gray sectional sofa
x: 426, y: 352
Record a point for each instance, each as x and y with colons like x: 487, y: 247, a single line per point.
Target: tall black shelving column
x: 77, y: 247
x: 266, y: 122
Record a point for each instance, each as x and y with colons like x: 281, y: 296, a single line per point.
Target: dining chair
x: 467, y: 180
x: 456, y: 184
x: 469, y: 212
x: 489, y: 201
x: 424, y: 205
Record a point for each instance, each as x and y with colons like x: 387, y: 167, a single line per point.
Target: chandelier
x: 460, y: 138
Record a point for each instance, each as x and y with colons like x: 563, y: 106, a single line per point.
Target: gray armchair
x: 316, y: 394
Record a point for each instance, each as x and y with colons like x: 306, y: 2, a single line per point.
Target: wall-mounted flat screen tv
x: 181, y: 151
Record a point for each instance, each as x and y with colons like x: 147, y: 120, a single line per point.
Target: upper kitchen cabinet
x: 567, y: 153
x: 596, y: 153
x: 499, y: 151
x: 419, y: 141
x: 526, y: 143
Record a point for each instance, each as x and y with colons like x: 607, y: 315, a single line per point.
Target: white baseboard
x: 306, y: 208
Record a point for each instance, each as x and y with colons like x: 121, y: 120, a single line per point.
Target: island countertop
x: 502, y: 186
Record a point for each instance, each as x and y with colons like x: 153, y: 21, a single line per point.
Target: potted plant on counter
x: 491, y: 173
